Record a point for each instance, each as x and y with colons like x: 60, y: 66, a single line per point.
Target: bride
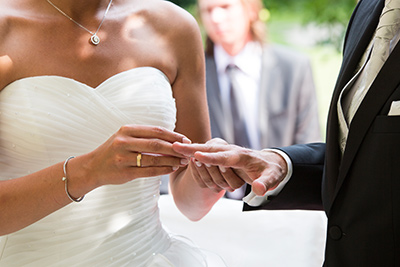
x: 91, y: 92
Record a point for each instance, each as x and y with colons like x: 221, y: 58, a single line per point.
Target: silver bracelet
x: 65, y: 180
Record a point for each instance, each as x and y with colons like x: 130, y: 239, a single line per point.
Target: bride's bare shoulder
x: 164, y: 16
x: 167, y: 10
x: 14, y: 13
x: 15, y: 8
x: 7, y: 12
x: 15, y: 16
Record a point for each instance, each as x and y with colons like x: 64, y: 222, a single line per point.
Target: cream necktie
x: 388, y: 27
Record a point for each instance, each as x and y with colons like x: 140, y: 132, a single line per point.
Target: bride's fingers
x: 142, y: 131
x: 155, y: 160
x: 150, y: 171
x: 148, y: 139
x: 125, y: 144
x: 232, y: 178
x: 218, y: 178
x: 206, y: 177
x: 196, y: 176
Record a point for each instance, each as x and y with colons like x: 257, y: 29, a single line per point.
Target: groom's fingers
x: 223, y: 158
x: 268, y: 181
x: 243, y: 175
x: 259, y: 188
x: 189, y: 149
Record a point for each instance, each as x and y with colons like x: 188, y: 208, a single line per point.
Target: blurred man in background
x: 259, y: 95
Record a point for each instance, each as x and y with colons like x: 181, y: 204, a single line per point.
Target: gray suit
x: 288, y: 106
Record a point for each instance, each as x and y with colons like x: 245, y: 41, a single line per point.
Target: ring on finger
x: 139, y: 160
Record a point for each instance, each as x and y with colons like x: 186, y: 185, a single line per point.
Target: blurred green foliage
x: 328, y: 11
x: 318, y: 11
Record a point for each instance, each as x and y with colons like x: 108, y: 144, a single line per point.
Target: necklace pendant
x: 94, y: 39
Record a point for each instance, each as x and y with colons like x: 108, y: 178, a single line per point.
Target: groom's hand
x: 207, y: 174
x: 264, y: 170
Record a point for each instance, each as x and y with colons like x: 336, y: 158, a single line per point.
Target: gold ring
x: 139, y: 160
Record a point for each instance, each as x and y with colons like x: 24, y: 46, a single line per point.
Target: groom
x: 359, y: 164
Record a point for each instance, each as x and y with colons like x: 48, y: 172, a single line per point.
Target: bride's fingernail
x: 222, y: 169
x: 207, y: 165
x: 186, y: 140
x: 184, y: 161
x: 198, y: 163
x: 175, y: 168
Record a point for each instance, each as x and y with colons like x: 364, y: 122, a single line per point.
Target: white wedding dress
x: 46, y: 119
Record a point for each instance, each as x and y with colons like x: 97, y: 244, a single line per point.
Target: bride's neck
x: 84, y: 8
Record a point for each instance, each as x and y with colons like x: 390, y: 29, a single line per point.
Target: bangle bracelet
x: 66, y: 182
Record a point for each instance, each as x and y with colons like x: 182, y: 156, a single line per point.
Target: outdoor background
x: 314, y: 27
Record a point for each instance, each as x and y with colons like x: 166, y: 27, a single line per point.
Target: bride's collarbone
x: 82, y: 61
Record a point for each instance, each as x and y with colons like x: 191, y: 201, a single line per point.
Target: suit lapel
x: 363, y: 25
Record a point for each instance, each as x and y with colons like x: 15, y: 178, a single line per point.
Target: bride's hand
x: 116, y: 161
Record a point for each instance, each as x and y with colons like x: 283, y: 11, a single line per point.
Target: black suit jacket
x: 361, y: 190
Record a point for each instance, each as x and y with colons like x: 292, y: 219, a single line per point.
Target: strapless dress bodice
x: 44, y: 120
x: 44, y: 116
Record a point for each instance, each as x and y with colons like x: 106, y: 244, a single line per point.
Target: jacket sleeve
x: 303, y: 191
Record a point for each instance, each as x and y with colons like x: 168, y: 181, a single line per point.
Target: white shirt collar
x: 248, y: 60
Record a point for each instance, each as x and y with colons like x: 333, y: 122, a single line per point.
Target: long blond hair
x: 257, y: 25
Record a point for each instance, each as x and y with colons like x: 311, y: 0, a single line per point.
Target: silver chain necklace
x: 94, y: 39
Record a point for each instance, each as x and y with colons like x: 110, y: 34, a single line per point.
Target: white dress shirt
x: 249, y: 63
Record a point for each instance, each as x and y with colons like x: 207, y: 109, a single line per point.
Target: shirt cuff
x: 253, y: 200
